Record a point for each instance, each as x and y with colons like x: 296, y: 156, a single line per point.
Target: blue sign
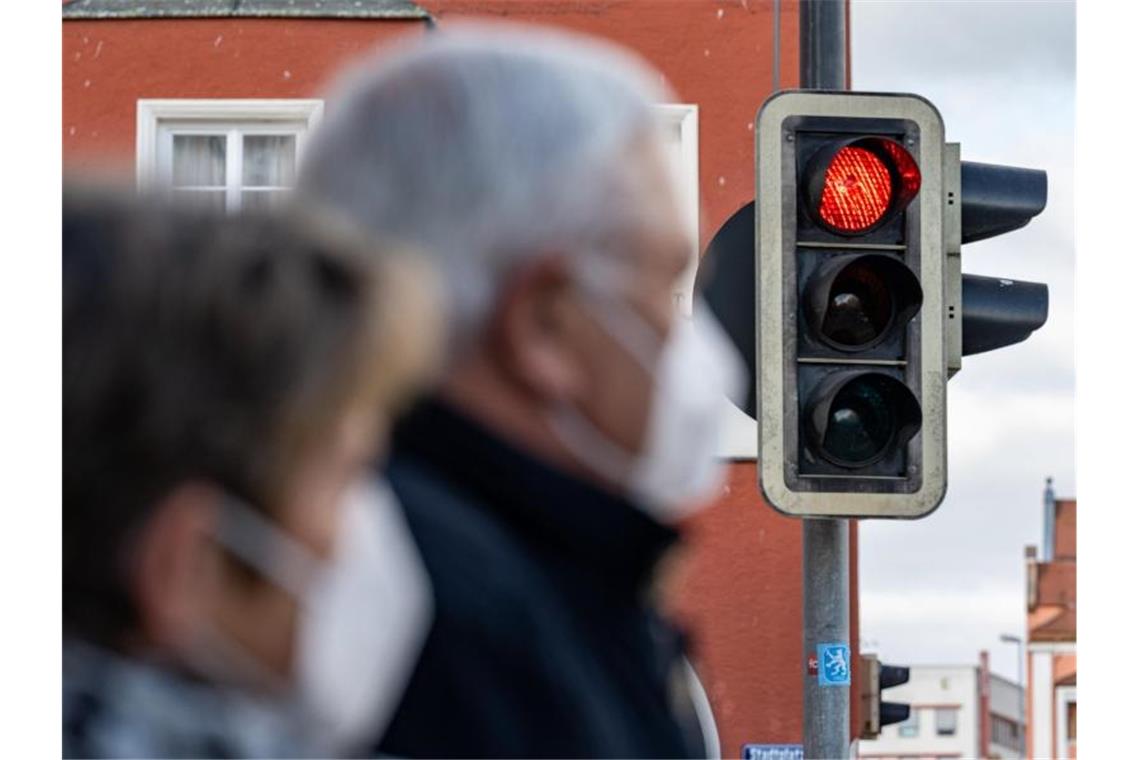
x: 834, y: 664
x: 773, y: 752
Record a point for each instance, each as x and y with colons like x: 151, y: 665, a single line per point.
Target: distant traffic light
x: 848, y: 297
x: 874, y: 711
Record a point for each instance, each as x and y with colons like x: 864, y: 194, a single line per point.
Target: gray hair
x: 485, y: 145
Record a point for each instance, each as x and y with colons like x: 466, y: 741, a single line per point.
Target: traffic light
x: 861, y: 312
x: 874, y: 711
x: 852, y: 341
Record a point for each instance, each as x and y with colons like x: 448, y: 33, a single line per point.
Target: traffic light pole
x: 827, y: 713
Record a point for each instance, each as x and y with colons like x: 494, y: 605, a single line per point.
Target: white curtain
x: 199, y: 161
x: 268, y: 160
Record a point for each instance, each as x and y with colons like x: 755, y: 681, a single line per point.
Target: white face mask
x: 692, y: 372
x: 363, y: 617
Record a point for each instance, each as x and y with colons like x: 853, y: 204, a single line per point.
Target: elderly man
x: 578, y: 420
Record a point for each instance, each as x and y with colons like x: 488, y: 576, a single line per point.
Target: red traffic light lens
x: 909, y: 178
x: 857, y: 190
x: 855, y: 186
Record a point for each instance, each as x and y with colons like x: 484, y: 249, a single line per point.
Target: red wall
x: 110, y: 64
x: 739, y: 586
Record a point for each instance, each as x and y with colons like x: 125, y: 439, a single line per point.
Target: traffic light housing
x: 875, y: 713
x: 862, y: 313
x: 851, y: 354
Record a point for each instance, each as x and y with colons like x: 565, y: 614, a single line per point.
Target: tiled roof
x: 115, y: 9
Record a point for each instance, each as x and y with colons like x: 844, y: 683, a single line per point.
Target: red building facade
x: 739, y: 585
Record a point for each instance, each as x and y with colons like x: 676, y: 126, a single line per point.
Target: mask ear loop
x: 271, y: 551
x: 215, y: 657
x: 599, y: 277
x: 634, y: 334
x: 588, y: 445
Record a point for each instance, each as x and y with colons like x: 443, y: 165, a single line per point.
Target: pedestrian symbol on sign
x: 834, y: 665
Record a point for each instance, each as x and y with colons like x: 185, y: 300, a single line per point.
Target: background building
x: 213, y: 100
x: 1007, y: 727
x: 1051, y: 602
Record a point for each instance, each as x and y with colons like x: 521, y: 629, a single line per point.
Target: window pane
x: 262, y: 199
x: 909, y: 727
x: 268, y: 160
x: 199, y: 160
x: 212, y: 200
x: 946, y: 721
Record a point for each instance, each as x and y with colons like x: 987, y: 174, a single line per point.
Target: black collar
x: 552, y: 511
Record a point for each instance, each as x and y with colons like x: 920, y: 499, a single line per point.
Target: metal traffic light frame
x: 778, y: 406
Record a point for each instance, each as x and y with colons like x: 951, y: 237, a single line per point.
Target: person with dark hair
x: 233, y: 582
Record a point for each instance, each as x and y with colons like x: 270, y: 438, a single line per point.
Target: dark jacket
x: 545, y: 641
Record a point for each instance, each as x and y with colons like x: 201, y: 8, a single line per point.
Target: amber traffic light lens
x: 859, y: 307
x: 853, y: 302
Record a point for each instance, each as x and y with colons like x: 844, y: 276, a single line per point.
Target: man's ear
x: 174, y: 563
x: 532, y: 327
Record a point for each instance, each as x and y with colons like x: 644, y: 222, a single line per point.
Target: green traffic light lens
x: 861, y: 423
x: 860, y: 307
x: 855, y: 419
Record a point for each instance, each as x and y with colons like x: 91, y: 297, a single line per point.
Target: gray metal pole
x: 827, y: 715
x: 823, y: 44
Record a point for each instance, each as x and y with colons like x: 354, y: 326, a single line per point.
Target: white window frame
x: 157, y: 121
x: 685, y: 118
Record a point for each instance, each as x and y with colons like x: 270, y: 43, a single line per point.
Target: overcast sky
x: 1002, y: 74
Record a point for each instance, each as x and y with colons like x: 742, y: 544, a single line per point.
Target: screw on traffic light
x: 874, y: 678
x: 842, y: 287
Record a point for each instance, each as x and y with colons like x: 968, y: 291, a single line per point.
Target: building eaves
x: 1061, y: 627
x: 137, y: 9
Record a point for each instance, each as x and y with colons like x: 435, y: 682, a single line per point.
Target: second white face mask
x: 364, y: 614
x: 365, y: 621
